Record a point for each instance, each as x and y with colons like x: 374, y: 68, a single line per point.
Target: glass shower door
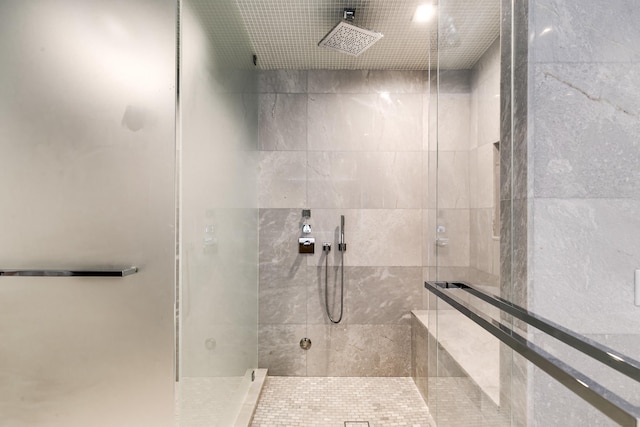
x: 218, y: 348
x: 471, y: 374
x: 87, y: 96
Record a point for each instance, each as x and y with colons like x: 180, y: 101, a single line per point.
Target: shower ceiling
x: 284, y: 34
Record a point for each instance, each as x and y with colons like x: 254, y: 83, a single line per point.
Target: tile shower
x: 341, y: 143
x: 355, y: 143
x: 352, y: 143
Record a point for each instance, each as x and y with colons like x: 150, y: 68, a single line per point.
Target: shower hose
x: 326, y: 248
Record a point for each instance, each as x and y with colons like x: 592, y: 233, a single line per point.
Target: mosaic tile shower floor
x: 330, y: 401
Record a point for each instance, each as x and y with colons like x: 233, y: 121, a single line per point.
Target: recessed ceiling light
x: 424, y: 12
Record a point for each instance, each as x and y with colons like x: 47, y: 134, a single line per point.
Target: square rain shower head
x: 349, y: 39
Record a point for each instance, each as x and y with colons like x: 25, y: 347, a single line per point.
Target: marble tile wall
x: 583, y: 111
x: 573, y: 181
x: 449, y: 192
x: 514, y: 166
x: 484, y: 248
x: 340, y: 143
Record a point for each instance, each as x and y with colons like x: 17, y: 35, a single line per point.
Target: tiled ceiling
x: 284, y: 34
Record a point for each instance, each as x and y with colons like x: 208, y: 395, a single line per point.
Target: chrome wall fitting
x: 305, y: 343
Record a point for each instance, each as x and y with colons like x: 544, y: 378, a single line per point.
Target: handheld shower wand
x: 342, y: 246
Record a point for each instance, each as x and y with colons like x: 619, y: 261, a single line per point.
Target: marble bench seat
x: 465, y: 350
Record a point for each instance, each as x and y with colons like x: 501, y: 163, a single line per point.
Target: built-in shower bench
x: 464, y: 349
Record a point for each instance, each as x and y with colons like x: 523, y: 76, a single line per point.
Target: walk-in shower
x: 143, y: 133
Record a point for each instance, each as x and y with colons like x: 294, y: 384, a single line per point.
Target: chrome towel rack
x: 609, y: 403
x: 120, y: 272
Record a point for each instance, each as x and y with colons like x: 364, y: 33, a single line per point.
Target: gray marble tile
x: 282, y: 81
x: 518, y: 389
x: 495, y: 270
x: 506, y: 134
x: 429, y: 179
x: 522, y: 167
x: 282, y: 294
x: 505, y: 228
x: 618, y: 383
x: 551, y: 403
x: 365, y: 81
x: 485, y: 177
x: 488, y: 66
x: 586, y: 253
x: 593, y: 152
x: 520, y: 274
x: 372, y: 295
x: 489, y: 281
x: 481, y: 239
x: 364, y: 180
x: 419, y: 357
x: 452, y: 178
x: 430, y: 121
x: 427, y: 296
x: 318, y: 284
x: 427, y: 110
x: 359, y: 350
x: 365, y: 122
x: 473, y: 118
x: 585, y: 31
x: 279, y: 230
x: 382, y: 295
x: 369, y: 233
x: 283, y: 121
x: 488, y: 93
x: 453, y: 118
x: 282, y: 179
x: 429, y: 221
x: 279, y: 349
x: 456, y: 223
x: 473, y: 178
x: 452, y: 81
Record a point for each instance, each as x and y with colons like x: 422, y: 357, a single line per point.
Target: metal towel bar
x: 610, y: 404
x: 70, y: 273
x: 602, y: 353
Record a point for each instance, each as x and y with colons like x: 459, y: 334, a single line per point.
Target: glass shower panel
x: 584, y: 194
x: 219, y: 240
x: 87, y: 104
x: 464, y: 148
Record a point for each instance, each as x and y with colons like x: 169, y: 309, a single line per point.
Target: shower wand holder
x: 306, y: 245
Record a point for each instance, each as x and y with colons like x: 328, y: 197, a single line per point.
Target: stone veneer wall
x: 484, y: 247
x: 355, y: 143
x: 584, y: 188
x: 468, y: 107
x: 341, y: 143
x: 571, y: 200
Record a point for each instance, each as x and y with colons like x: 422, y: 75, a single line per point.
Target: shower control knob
x: 306, y: 228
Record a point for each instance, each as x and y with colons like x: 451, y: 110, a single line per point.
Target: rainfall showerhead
x: 349, y: 39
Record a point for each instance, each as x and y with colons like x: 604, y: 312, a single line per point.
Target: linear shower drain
x: 356, y: 424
